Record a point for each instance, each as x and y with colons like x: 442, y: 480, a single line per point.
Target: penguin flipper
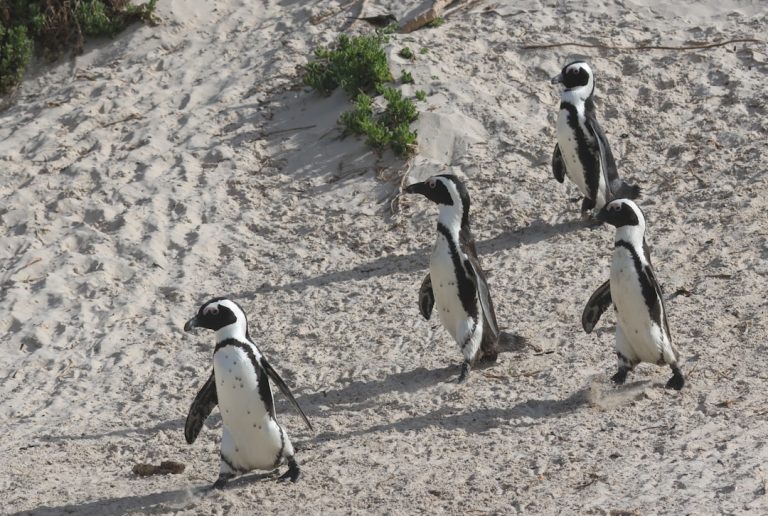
x: 483, y: 294
x: 201, y: 408
x: 426, y: 297
x: 597, y: 304
x: 284, y: 389
x: 558, y: 165
x: 657, y: 308
x: 607, y: 162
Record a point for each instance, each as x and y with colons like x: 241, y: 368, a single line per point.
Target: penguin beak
x: 192, y: 323
x: 557, y: 79
x: 417, y: 188
x: 602, y: 216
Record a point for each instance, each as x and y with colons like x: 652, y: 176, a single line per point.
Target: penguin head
x: 576, y: 76
x: 448, y: 192
x: 622, y: 213
x: 220, y: 314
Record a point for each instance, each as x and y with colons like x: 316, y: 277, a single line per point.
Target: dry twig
x: 643, y: 47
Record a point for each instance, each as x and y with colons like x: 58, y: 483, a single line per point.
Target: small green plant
x: 403, y: 140
x: 421, y: 95
x: 389, y: 128
x: 436, y: 22
x: 399, y: 110
x: 355, y: 121
x: 423, y: 50
x: 435, y: 78
x: 357, y: 64
x: 406, y: 53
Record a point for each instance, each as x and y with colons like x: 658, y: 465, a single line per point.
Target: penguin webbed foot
x: 465, y: 368
x: 621, y: 376
x: 489, y: 357
x: 293, y: 472
x: 677, y: 381
x: 222, y: 480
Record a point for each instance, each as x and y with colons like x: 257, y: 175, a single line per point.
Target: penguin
x: 582, y: 151
x: 456, y: 281
x: 642, y: 330
x: 239, y: 385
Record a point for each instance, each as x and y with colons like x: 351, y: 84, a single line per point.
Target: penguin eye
x: 431, y: 183
x: 614, y: 207
x: 211, y: 310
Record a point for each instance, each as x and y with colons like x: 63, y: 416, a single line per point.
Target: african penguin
x: 455, y: 280
x: 642, y: 330
x: 239, y: 384
x: 582, y: 151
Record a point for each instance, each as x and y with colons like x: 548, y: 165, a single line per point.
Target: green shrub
x: 389, y: 128
x: 355, y: 120
x: 15, y: 51
x: 421, y: 95
x: 403, y: 140
x: 357, y: 64
x: 54, y: 26
x: 406, y: 78
x: 399, y: 110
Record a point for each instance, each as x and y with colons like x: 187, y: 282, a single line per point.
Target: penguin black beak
x: 557, y: 79
x: 191, y: 324
x: 603, y: 216
x: 417, y: 188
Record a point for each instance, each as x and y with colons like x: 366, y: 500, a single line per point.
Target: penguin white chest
x: 252, y: 439
x: 445, y: 288
x: 569, y: 149
x: 632, y: 313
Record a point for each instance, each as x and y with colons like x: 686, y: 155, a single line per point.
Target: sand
x: 187, y: 160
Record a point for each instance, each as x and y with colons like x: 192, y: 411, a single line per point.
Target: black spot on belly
x: 241, y: 385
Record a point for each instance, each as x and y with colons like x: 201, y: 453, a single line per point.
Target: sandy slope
x: 185, y: 161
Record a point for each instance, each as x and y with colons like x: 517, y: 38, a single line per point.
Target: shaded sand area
x: 184, y: 161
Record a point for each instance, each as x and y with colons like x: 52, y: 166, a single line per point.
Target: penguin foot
x: 293, y: 472
x: 489, y: 357
x: 677, y: 381
x: 621, y: 376
x: 222, y: 480
x: 464, y: 372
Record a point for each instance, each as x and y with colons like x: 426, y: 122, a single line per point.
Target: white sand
x: 170, y: 165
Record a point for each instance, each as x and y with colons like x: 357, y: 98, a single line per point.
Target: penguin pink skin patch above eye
x: 210, y: 310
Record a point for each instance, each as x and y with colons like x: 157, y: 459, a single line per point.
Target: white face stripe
x: 451, y: 187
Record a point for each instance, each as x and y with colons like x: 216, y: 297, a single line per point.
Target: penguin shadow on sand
x: 362, y: 395
x: 475, y: 421
x: 537, y: 231
x: 165, y: 501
